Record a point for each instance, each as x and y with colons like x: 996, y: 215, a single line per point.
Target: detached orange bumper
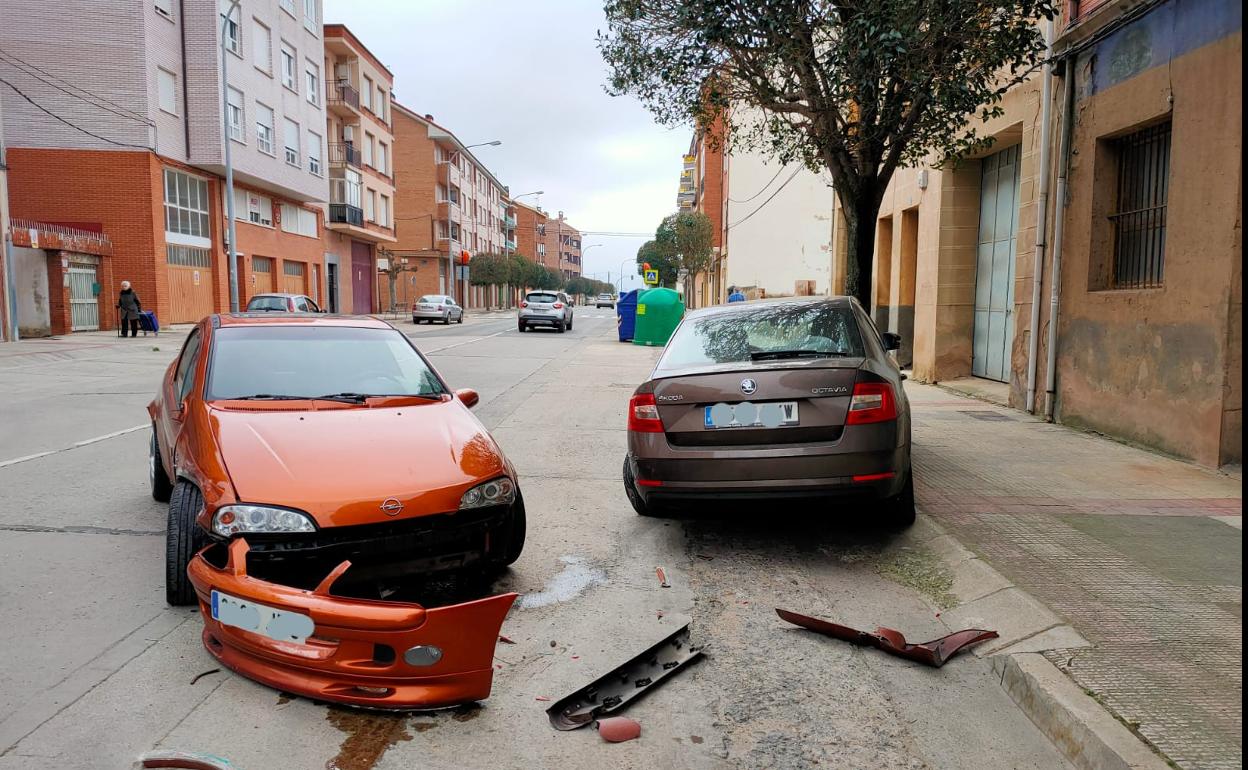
x: 378, y: 654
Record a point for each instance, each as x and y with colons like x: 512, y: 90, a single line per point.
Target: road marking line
x: 465, y: 342
x: 87, y: 442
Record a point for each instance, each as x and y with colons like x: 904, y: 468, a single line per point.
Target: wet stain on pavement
x: 570, y: 582
x: 284, y: 698
x: 466, y: 712
x: 369, y: 736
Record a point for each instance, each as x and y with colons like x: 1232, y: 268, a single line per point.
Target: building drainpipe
x: 9, y: 301
x: 1055, y: 271
x: 1042, y: 204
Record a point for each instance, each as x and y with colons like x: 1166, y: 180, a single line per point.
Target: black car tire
x: 634, y: 497
x: 569, y: 324
x: 900, y: 512
x: 521, y: 327
x: 183, y: 539
x: 162, y: 487
x: 515, y: 530
x: 446, y: 320
x: 461, y: 319
x: 559, y: 327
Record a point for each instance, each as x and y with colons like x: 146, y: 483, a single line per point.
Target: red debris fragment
x: 662, y: 578
x: 576, y: 657
x: 505, y: 639
x: 542, y: 698
x: 933, y: 653
x: 618, y: 729
x: 659, y: 613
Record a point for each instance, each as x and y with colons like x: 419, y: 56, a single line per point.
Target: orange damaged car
x: 308, y: 460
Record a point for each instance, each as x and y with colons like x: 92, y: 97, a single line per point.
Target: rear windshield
x: 431, y: 299
x: 307, y: 361
x: 732, y: 337
x: 542, y: 298
x: 267, y: 303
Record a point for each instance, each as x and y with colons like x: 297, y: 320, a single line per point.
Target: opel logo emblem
x: 392, y: 506
x: 748, y: 386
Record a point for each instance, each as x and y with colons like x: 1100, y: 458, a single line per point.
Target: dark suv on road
x: 789, y: 398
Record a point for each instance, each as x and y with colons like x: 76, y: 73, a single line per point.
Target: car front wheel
x: 183, y: 539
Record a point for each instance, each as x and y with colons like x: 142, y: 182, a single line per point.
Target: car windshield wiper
x: 359, y: 398
x: 772, y: 355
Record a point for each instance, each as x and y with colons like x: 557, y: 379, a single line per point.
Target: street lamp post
x: 232, y: 246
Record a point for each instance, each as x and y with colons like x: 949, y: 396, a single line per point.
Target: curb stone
x: 1080, y: 727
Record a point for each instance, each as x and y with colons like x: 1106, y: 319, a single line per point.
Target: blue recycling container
x: 626, y: 315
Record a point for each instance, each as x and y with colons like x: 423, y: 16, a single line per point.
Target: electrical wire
x: 760, y: 192
x: 792, y: 176
x: 107, y: 106
x: 58, y: 118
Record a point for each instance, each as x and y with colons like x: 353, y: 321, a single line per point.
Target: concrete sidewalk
x: 1140, y: 553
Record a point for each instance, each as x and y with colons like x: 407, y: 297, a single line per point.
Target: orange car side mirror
x: 468, y: 397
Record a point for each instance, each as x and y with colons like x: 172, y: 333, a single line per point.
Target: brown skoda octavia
x: 789, y: 398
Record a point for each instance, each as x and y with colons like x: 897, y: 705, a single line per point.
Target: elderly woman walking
x: 128, y: 308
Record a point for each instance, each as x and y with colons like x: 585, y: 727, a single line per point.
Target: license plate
x: 282, y: 625
x: 773, y: 414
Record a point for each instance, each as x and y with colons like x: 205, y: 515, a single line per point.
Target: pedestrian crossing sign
x: 651, y: 277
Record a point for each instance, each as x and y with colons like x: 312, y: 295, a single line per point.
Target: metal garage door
x: 84, y: 304
x: 190, y: 283
x: 994, y: 273
x: 294, y: 277
x: 262, y: 275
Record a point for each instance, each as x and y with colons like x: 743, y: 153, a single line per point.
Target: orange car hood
x: 340, y: 464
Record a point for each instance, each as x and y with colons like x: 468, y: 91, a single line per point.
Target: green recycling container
x: 658, y: 313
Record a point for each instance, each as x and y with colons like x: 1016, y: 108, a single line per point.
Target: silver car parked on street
x: 545, y: 308
x: 437, y: 307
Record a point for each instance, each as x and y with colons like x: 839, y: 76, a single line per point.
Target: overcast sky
x: 529, y: 74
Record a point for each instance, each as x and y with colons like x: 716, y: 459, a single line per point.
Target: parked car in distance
x: 605, y: 300
x: 275, y: 302
x: 323, y: 439
x: 437, y: 307
x: 789, y: 398
x: 545, y: 308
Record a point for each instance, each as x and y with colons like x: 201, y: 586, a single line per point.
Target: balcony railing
x: 344, y: 154
x: 345, y: 213
x: 342, y: 94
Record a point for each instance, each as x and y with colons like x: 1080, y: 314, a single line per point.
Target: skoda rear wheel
x: 162, y: 488
x: 634, y: 497
x: 183, y: 539
x: 899, y: 510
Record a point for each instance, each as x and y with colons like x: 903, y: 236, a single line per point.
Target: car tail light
x: 643, y: 414
x: 440, y: 307
x: 524, y: 304
x: 558, y: 306
x: 871, y: 402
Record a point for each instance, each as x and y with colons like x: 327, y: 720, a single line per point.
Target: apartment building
x: 449, y: 208
x: 703, y: 189
x: 136, y: 150
x: 1142, y: 224
x: 531, y: 224
x: 360, y: 215
x: 563, y: 246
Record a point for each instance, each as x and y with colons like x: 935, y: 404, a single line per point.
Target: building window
x: 262, y: 47
x: 253, y: 207
x: 370, y: 205
x: 187, y: 256
x: 289, y: 74
x: 312, y: 78
x: 264, y: 128
x: 288, y: 6
x: 383, y: 158
x: 454, y: 231
x: 292, y: 269
x: 366, y: 94
x: 167, y: 91
x: 186, y: 207
x: 236, y: 115
x: 1139, y: 216
x: 383, y: 213
x: 314, y: 153
x: 310, y: 16
x: 233, y: 34
x: 369, y: 141
x: 290, y: 136
x: 381, y: 103
x: 298, y: 220
x: 164, y: 8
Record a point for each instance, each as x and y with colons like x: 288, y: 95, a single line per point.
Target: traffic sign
x: 651, y: 278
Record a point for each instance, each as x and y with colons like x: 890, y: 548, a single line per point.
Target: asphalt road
x: 98, y: 670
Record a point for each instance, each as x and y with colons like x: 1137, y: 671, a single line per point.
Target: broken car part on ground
x: 360, y: 652
x: 933, y: 653
x: 612, y: 690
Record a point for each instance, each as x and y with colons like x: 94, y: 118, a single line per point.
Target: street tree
x: 851, y: 87
x: 660, y: 257
x: 681, y: 242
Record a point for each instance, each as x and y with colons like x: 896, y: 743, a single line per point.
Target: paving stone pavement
x: 1141, y: 553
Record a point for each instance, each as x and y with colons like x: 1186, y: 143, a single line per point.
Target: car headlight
x: 500, y: 491
x: 232, y: 519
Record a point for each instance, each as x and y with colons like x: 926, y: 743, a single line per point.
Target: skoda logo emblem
x: 748, y: 386
x: 392, y: 506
